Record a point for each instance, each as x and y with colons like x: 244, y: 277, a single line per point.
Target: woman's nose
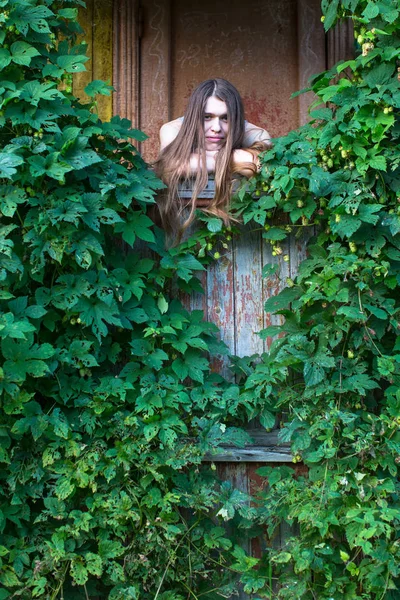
x: 216, y: 126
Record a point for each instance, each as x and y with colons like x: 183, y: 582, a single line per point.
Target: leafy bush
x: 334, y: 370
x: 108, y: 401
x: 99, y: 422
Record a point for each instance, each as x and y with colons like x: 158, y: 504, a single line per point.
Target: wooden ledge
x: 265, y: 447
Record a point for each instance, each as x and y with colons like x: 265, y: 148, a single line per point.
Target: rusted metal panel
x: 102, y: 52
x: 254, y: 46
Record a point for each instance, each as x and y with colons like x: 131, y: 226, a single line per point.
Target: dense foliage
x: 108, y: 403
x: 334, y: 371
x: 99, y: 423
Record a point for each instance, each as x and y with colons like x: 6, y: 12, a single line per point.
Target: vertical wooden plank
x: 195, y: 300
x: 237, y: 475
x: 273, y: 285
x: 103, y: 52
x: 221, y: 301
x: 126, y: 59
x: 298, y: 248
x: 154, y: 73
x: 340, y: 43
x: 248, y: 292
x: 81, y: 80
x: 311, y: 50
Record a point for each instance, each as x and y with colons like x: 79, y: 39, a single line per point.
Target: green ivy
x: 108, y: 402
x: 333, y: 372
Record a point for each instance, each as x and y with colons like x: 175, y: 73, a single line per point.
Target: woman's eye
x: 207, y: 118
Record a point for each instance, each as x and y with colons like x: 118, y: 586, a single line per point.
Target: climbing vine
x: 102, y: 431
x: 108, y: 402
x: 333, y: 372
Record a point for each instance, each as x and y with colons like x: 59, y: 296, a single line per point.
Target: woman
x: 212, y: 137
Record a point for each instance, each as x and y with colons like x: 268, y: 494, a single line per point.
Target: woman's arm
x: 245, y: 162
x: 168, y: 132
x: 253, y: 134
x: 210, y: 161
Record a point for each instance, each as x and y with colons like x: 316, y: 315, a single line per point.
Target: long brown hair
x: 173, y: 163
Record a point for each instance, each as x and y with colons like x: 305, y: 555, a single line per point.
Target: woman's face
x: 215, y: 123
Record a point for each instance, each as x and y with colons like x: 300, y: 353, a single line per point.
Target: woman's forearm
x: 195, y: 162
x: 245, y: 162
x: 253, y: 134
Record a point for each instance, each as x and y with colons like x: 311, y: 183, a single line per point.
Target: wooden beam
x: 311, y: 50
x: 81, y: 79
x: 154, y: 73
x: 340, y: 43
x: 103, y: 52
x: 253, y: 454
x: 126, y: 18
x: 266, y: 447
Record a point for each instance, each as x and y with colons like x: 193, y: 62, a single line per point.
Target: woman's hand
x: 245, y: 162
x: 210, y: 161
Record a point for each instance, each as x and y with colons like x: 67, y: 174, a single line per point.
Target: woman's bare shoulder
x: 169, y: 131
x: 253, y: 134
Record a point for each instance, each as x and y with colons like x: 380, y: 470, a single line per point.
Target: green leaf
x: 137, y: 225
x: 378, y: 162
x: 8, y: 577
x: 313, y: 373
x: 275, y: 234
x: 34, y: 17
x: 8, y: 162
x: 64, y: 488
x: 282, y: 557
x: 162, y: 304
x: 346, y: 226
x: 110, y: 549
x: 68, y: 13
x: 10, y: 197
x: 94, y: 564
x: 371, y: 11
x: 379, y: 75
x: 351, y: 312
x: 22, y: 53
x: 214, y: 224
x: 98, y: 86
x: 282, y: 300
x: 9, y: 327
x: 72, y: 63
x: 5, y: 58
x: 79, y: 572
x: 267, y: 419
